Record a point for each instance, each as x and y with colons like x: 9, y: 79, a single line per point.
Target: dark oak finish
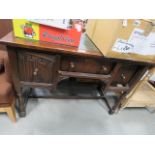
x: 41, y: 64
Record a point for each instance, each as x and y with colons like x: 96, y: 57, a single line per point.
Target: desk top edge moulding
x: 86, y: 47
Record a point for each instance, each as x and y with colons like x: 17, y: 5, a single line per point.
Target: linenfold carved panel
x: 37, y: 68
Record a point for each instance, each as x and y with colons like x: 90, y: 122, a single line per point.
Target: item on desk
x: 58, y: 23
x: 126, y: 39
x: 30, y: 30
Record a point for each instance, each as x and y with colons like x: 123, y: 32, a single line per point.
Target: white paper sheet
x: 122, y: 46
x: 149, y: 46
x: 137, y: 39
x: 59, y: 23
x: 137, y: 43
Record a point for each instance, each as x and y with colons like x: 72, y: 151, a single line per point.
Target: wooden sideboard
x: 41, y: 64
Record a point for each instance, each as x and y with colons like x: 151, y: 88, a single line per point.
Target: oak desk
x: 41, y: 64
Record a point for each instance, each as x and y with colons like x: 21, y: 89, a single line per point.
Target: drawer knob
x: 123, y: 76
x: 104, y: 68
x: 72, y: 65
x: 35, y: 72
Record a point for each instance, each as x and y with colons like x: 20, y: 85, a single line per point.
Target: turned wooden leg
x: 21, y: 106
x: 12, y: 53
x: 116, y: 107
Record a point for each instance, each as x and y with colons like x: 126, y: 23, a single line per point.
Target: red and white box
x: 69, y: 37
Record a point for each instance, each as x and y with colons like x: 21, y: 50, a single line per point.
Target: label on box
x: 137, y: 39
x: 25, y: 29
x: 137, y: 22
x: 144, y: 45
x: 122, y: 46
x: 149, y: 48
x: 137, y: 43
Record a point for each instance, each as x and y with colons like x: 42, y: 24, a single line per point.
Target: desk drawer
x: 38, y: 68
x: 86, y: 65
x: 125, y: 74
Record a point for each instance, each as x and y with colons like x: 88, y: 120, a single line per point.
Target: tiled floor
x: 52, y: 116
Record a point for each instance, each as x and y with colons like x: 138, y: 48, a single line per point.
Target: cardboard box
x: 25, y: 29
x: 29, y: 30
x: 60, y: 36
x: 124, y: 39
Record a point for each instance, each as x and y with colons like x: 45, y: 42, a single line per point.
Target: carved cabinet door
x: 38, y: 68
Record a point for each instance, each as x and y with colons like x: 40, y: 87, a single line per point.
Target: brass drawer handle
x: 123, y: 76
x: 35, y: 71
x: 104, y: 68
x: 72, y: 65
